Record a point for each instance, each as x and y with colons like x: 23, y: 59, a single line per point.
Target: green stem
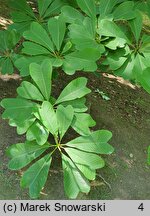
x: 63, y: 144
x: 53, y: 146
x: 53, y: 150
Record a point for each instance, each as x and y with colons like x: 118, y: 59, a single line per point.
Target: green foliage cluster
x: 39, y: 115
x: 72, y: 35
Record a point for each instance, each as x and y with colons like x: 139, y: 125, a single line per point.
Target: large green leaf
x: 67, y: 47
x: 29, y: 91
x: 7, y: 66
x: 95, y: 142
x: 22, y: 126
x: 17, y: 108
x: 115, y: 43
x: 4, y: 44
x: 82, y: 122
x: 35, y: 177
x: 37, y: 132
x: 41, y: 74
x: 75, y: 89
x: 43, y: 5
x: 23, y: 63
x: 136, y: 25
x: 106, y: 8
x: 86, y: 171
x: 110, y: 29
x: 13, y: 38
x: 57, y: 29
x: 21, y: 5
x: 140, y: 64
x: 22, y: 154
x: 116, y: 62
x: 39, y: 35
x: 88, y: 159
x: 126, y: 70
x: 20, y: 27
x: 64, y: 118
x: 145, y: 79
x: 70, y: 14
x: 145, y: 47
x: 48, y: 117
x: 116, y: 59
x: 34, y: 49
x: 77, y: 104
x: 19, y: 17
x: 8, y: 39
x: 54, y: 8
x: 88, y: 6
x: 125, y: 11
x: 74, y: 181
x: 83, y: 35
x: 81, y: 60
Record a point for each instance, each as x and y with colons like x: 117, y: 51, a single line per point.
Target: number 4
x: 141, y: 207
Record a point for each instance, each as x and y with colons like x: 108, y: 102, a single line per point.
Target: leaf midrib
x: 69, y: 95
x: 30, y: 152
x: 45, y: 162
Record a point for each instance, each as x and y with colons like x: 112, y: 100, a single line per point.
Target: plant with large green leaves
x: 114, y: 10
x: 86, y: 31
x: 53, y: 44
x: 73, y: 37
x: 8, y: 52
x: 41, y: 116
x: 101, y: 30
x: 23, y: 13
x: 91, y: 35
x: 132, y: 61
x: 126, y: 49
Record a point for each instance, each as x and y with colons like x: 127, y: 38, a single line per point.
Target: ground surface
x: 127, y: 114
